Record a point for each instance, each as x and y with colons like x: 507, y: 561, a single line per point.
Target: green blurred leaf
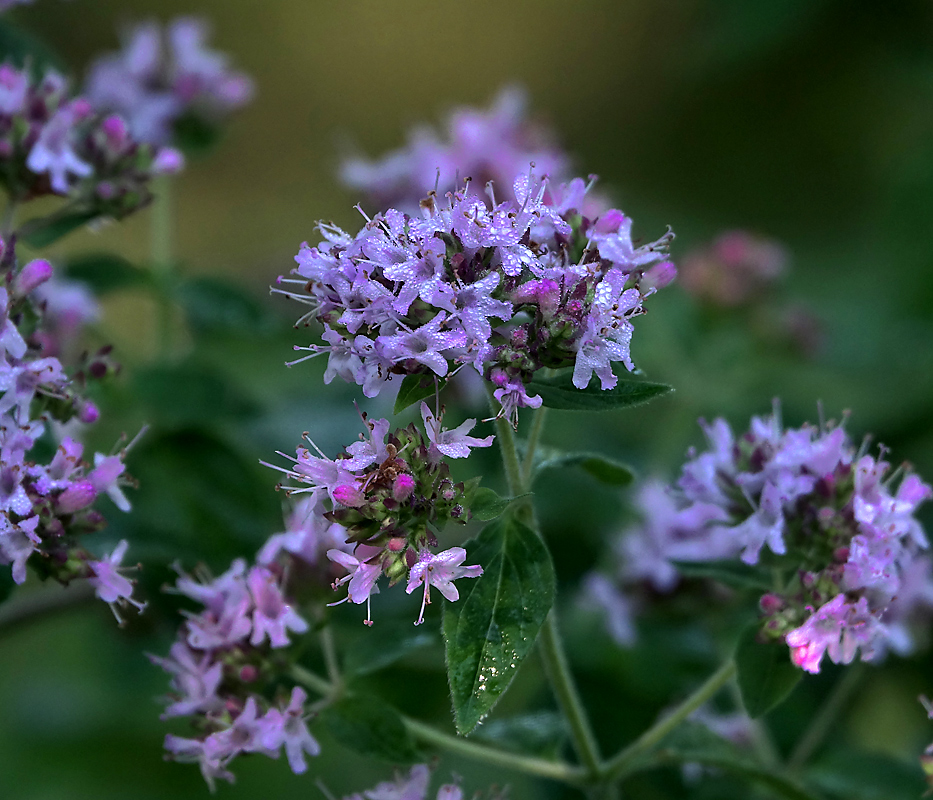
x: 694, y: 743
x: 858, y: 775
x: 603, y: 468
x: 21, y: 48
x: 369, y: 726
x: 559, y: 392
x: 40, y: 232
x: 541, y: 733
x: 486, y: 505
x: 492, y: 627
x: 195, y: 135
x: 416, y: 388
x: 6, y: 584
x: 216, y: 306
x: 731, y: 573
x: 765, y: 673
x: 190, y: 394
x: 104, y: 272
x: 386, y: 643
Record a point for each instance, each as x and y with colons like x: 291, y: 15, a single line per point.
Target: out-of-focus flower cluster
x: 413, y: 786
x: 409, y: 295
x: 223, y: 669
x: 54, y: 143
x: 830, y: 518
x: 480, y: 146
x: 162, y: 77
x: 47, y: 501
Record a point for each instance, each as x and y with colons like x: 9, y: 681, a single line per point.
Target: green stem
x: 530, y: 765
x: 42, y: 603
x: 162, y: 266
x: 539, y: 767
x: 506, y: 441
x: 616, y: 766
x: 823, y: 721
x: 330, y: 656
x: 534, y: 436
x: 558, y: 671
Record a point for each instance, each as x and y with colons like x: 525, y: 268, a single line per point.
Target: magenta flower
x: 440, y: 570
x: 289, y: 727
x: 272, y: 616
x: 109, y: 585
x: 451, y: 443
x: 362, y: 575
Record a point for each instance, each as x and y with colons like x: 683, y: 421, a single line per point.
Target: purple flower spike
x: 272, y: 617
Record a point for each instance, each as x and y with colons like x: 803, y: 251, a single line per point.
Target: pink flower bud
x: 115, y: 130
x: 403, y: 487
x: 610, y: 221
x: 75, y: 497
x: 396, y: 544
x: 34, y: 274
x: 88, y: 412
x: 349, y: 496
x: 770, y: 603
x: 168, y: 161
x: 659, y: 276
x: 248, y: 673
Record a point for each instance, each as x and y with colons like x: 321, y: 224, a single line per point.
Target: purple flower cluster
x: 162, y: 76
x: 480, y: 145
x: 378, y: 504
x: 220, y: 667
x: 508, y: 288
x: 46, y: 505
x: 805, y: 502
x: 54, y: 143
x: 413, y: 786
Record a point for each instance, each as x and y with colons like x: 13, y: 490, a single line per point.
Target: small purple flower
x: 195, y: 676
x: 289, y: 727
x: 440, y: 570
x: 837, y: 629
x: 364, y: 567
x: 451, y: 443
x: 53, y: 152
x: 272, y: 616
x: 109, y: 585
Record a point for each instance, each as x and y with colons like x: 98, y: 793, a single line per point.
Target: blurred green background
x: 810, y: 121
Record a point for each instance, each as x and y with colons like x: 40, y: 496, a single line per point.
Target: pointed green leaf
x: 604, y: 469
x: 559, y: 392
x: 371, y: 727
x: 765, y: 672
x: 492, y: 627
x: 731, y: 573
x: 105, y: 272
x: 486, y: 505
x: 416, y: 388
x: 42, y: 231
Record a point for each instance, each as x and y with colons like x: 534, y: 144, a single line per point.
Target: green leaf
x: 859, y: 775
x: 694, y: 743
x: 6, y: 584
x: 215, y: 306
x: 195, y: 135
x: 492, y: 627
x: 40, y: 232
x: 732, y: 573
x: 371, y: 727
x: 418, y: 387
x: 22, y: 48
x: 541, y: 733
x: 765, y: 673
x: 386, y: 643
x: 190, y: 394
x: 559, y: 392
x: 486, y: 505
x: 603, y: 468
x: 105, y: 272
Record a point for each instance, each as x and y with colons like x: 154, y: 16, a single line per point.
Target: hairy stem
x: 506, y: 441
x: 162, y: 266
x: 616, y: 766
x: 820, y: 725
x: 552, y: 652
x: 534, y: 436
x: 331, y: 661
x: 42, y: 603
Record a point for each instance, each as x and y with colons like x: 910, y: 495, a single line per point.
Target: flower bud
x: 659, y: 276
x: 75, y: 497
x: 88, y: 412
x: 34, y: 274
x: 403, y: 487
x: 770, y: 603
x: 248, y: 673
x: 168, y: 161
x: 349, y: 496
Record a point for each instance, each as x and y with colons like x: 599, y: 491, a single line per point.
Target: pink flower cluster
x: 808, y: 504
x: 52, y: 142
x: 163, y: 76
x: 413, y: 786
x: 221, y: 664
x: 45, y: 506
x: 506, y: 287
